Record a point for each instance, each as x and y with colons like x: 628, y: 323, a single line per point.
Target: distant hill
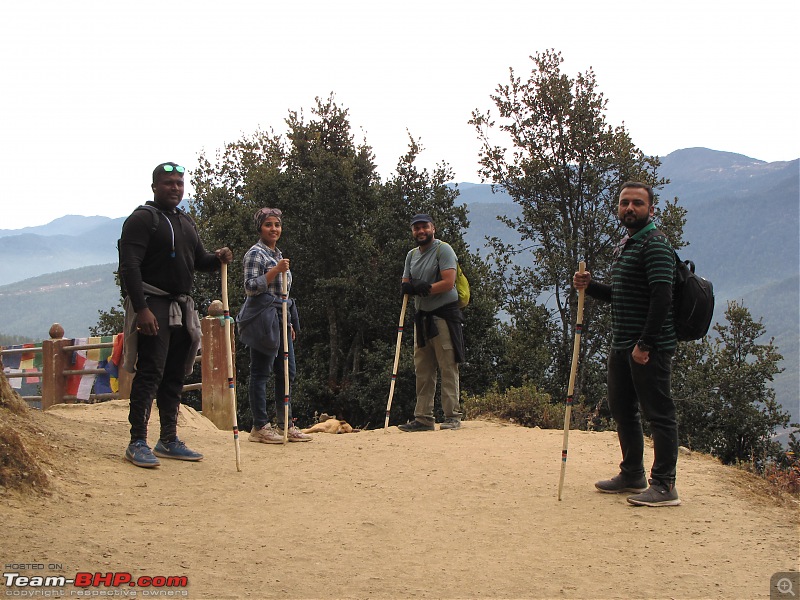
x: 71, y: 298
x: 32, y: 254
x: 481, y: 193
x: 742, y: 216
x: 64, y: 243
x: 67, y: 225
x: 743, y: 230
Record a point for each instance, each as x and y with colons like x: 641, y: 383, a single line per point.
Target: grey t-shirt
x: 427, y: 266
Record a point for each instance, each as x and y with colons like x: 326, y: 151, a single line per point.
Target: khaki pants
x: 436, y: 356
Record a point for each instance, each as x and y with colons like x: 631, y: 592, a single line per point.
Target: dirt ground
x: 471, y: 513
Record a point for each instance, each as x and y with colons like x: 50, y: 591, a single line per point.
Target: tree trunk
x: 333, y: 361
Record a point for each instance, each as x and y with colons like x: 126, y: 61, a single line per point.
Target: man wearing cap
x: 159, y: 250
x: 430, y: 275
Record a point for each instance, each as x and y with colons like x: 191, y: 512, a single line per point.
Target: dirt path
x: 451, y: 514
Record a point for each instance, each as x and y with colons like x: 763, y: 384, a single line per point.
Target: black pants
x: 631, y: 386
x: 160, y: 364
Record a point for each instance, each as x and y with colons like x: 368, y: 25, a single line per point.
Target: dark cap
x: 421, y: 218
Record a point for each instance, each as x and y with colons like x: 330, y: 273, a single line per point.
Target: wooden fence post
x: 214, y: 368
x: 124, y: 379
x: 53, y: 364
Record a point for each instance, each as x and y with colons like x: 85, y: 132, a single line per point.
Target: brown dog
x: 328, y: 424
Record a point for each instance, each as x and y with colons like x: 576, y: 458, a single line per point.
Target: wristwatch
x: 644, y: 346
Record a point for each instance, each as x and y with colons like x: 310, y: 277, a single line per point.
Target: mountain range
x: 742, y: 229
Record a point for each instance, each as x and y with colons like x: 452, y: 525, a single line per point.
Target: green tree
x: 428, y: 192
x: 346, y: 234
x: 339, y: 228
x: 564, y: 169
x: 109, y: 322
x: 725, y: 404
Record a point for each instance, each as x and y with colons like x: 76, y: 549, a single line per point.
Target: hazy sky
x: 95, y: 94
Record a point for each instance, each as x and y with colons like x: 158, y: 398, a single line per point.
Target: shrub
x: 525, y: 405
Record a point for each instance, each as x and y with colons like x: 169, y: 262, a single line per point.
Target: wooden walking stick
x: 285, y: 306
x: 571, y: 389
x: 229, y: 356
x: 396, y: 361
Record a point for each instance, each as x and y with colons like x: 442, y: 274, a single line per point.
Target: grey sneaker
x: 295, y: 435
x: 620, y: 484
x: 416, y: 426
x: 658, y: 494
x: 139, y: 453
x: 451, y: 423
x: 176, y: 449
x: 265, y: 435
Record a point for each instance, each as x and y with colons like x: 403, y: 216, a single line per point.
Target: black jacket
x: 426, y: 327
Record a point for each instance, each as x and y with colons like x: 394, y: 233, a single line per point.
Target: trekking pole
x: 396, y: 361
x: 285, y: 305
x: 229, y: 356
x: 571, y: 389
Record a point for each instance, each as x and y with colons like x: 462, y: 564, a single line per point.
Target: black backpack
x: 157, y: 218
x: 153, y: 227
x: 692, y: 299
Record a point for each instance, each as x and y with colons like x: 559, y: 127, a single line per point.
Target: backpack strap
x: 650, y: 235
x: 157, y: 216
x: 439, y: 247
x: 157, y: 220
x: 153, y: 211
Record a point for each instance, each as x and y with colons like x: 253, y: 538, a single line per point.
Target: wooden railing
x: 56, y: 361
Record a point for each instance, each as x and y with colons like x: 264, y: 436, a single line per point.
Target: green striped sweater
x: 638, y: 267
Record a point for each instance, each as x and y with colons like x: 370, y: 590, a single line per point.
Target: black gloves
x: 422, y: 288
x: 418, y: 288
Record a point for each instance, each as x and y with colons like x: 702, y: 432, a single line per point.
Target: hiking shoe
x: 620, y: 484
x: 176, y: 449
x: 295, y: 435
x: 658, y: 494
x: 416, y: 426
x: 266, y: 435
x: 139, y: 453
x: 451, y: 423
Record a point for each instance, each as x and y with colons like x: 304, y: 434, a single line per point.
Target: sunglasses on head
x: 269, y: 212
x: 170, y: 168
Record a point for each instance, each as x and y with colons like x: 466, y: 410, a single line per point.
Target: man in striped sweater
x: 642, y: 346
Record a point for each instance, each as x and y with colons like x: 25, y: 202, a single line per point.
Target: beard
x: 424, y: 238
x: 631, y: 222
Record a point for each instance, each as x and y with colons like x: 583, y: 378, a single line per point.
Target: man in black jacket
x: 159, y: 251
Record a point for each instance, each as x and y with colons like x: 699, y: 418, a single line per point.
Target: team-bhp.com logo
x: 95, y: 584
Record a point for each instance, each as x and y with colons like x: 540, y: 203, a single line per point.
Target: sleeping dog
x: 328, y: 424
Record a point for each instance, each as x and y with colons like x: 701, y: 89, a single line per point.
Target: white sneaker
x: 295, y: 435
x: 265, y: 435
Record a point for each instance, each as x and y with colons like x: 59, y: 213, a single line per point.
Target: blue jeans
x: 631, y: 386
x: 261, y: 367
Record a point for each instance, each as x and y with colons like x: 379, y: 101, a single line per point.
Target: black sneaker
x: 658, y: 494
x: 451, y: 423
x: 416, y: 426
x: 139, y: 453
x: 620, y: 484
x: 176, y: 449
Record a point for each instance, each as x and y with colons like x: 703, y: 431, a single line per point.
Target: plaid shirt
x: 257, y: 261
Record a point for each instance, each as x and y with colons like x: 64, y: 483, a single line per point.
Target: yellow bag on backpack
x: 462, y: 284
x: 462, y: 287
